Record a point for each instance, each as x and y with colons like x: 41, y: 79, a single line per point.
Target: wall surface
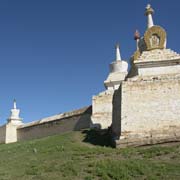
x: 2, y: 134
x: 148, y: 111
x: 58, y: 124
x: 102, y: 110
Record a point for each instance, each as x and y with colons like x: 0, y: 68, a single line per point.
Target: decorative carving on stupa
x: 151, y: 55
x: 155, y: 38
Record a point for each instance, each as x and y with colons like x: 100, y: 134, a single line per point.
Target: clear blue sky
x: 54, y: 54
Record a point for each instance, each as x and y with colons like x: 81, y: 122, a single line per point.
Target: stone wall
x: 2, y: 134
x: 102, y: 110
x: 148, y: 112
x: 58, y: 124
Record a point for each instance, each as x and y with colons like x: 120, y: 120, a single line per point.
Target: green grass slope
x: 69, y: 157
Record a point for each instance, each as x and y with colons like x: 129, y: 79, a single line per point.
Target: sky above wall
x: 54, y: 54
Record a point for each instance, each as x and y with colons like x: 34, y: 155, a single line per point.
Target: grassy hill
x: 72, y: 157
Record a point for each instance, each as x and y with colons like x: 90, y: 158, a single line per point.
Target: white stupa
x: 152, y: 59
x: 14, y: 116
x: 118, y: 71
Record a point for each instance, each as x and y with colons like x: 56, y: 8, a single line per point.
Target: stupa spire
x: 149, y: 11
x: 118, y: 55
x: 14, y: 104
x: 14, y: 116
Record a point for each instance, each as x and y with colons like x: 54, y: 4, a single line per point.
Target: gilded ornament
x: 155, y: 38
x: 136, y: 55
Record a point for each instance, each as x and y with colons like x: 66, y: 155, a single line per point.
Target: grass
x: 72, y: 157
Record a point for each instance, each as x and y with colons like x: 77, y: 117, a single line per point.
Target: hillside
x: 73, y: 156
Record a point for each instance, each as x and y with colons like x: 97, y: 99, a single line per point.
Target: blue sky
x: 54, y: 54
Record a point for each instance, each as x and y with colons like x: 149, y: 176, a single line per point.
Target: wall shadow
x: 101, y: 138
x: 84, y: 120
x: 116, y: 114
x: 108, y: 137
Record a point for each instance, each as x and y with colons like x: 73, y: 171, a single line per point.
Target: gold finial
x: 149, y: 10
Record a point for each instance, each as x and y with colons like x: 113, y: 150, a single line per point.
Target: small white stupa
x: 118, y: 71
x: 14, y: 116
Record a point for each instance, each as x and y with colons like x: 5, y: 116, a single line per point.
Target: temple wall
x: 102, y: 110
x: 2, y: 134
x: 148, y: 112
x: 152, y: 71
x: 58, y: 124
